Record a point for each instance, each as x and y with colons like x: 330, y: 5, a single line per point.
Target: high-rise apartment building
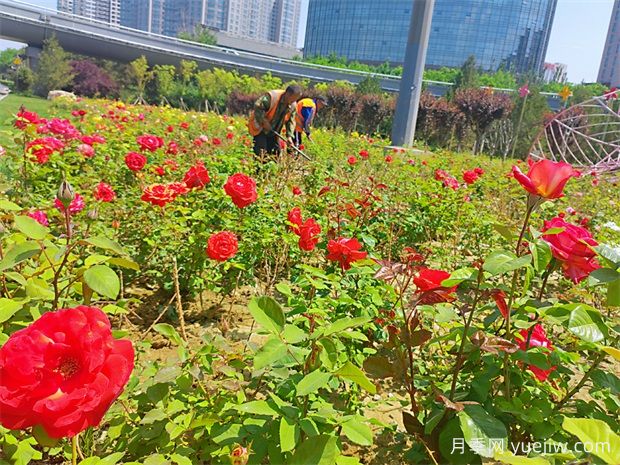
x: 609, y: 71
x: 108, y: 11
x: 146, y: 15
x: 513, y: 34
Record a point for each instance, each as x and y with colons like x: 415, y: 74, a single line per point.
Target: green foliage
x: 54, y: 71
x: 24, y: 79
x: 369, y: 85
x: 200, y: 34
x: 467, y: 77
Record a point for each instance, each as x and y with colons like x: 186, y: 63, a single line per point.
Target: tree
x: 369, y: 85
x: 164, y: 81
x: 139, y: 69
x: 200, y: 34
x: 24, y: 79
x: 481, y: 108
x: 468, y: 75
x: 54, y: 71
x: 7, y: 58
x: 92, y: 81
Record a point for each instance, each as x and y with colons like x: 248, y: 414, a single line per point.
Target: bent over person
x: 307, y: 109
x: 272, y: 112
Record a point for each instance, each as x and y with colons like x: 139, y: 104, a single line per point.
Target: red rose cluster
x: 308, y: 231
x: 471, y: 176
x: 63, y: 372
x: 163, y: 194
x: 345, y: 251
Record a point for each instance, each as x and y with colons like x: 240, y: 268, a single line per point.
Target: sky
x: 577, y: 37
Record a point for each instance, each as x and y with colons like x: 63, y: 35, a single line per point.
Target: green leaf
x: 602, y: 276
x: 479, y: 428
x: 103, y: 280
x: 152, y: 416
x: 502, y: 261
x: 168, y: 331
x: 30, y: 227
x: 38, y: 288
x: 357, y: 431
x: 289, y: 434
x: 267, y: 313
x: 107, y: 244
x: 505, y: 231
x: 613, y: 294
x: 8, y: 308
x: 292, y: 334
x: 284, y: 289
x: 181, y: 459
x: 585, y: 322
x: 257, y: 407
x: 541, y: 254
x: 458, y: 276
x: 596, y: 434
x: 312, y: 382
x: 124, y: 263
x: 272, y: 351
x: 352, y: 373
x: 318, y: 450
x: 19, y: 253
x: 344, y: 324
x: 112, y: 459
x: 7, y: 205
x: 511, y: 459
x: 610, y: 253
x: 345, y: 460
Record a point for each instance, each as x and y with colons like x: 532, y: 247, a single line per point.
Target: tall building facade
x: 108, y: 11
x: 263, y: 20
x: 512, y: 34
x: 609, y: 71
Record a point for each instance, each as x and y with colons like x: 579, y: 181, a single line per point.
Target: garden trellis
x: 586, y: 135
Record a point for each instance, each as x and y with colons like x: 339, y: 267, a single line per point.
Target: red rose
x: 479, y: 171
x: 351, y: 160
x: 363, y: 154
x: 296, y: 190
x: 159, y: 170
x: 229, y: 135
x: 545, y: 178
x: 470, y: 177
x: 241, y: 189
x: 217, y: 141
x: 451, y: 182
x: 149, y: 142
x: 197, y: 176
x: 430, y: 290
x: 308, y: 234
x: 43, y: 147
x: 135, y: 161
x: 179, y: 188
x: 104, y: 192
x: 40, y: 217
x: 158, y: 194
x: 440, y: 175
x: 173, y: 148
x: 389, y: 159
x: 25, y: 118
x: 345, y: 251
x: 62, y: 372
x: 295, y: 219
x: 572, y: 247
x: 222, y: 246
x: 538, y: 338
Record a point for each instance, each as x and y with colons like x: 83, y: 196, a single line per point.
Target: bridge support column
x: 32, y: 57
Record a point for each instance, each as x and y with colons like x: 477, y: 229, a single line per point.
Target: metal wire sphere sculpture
x: 586, y: 135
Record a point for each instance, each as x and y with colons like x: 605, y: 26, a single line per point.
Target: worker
x: 272, y: 112
x: 307, y: 108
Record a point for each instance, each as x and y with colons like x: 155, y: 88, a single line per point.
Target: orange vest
x: 255, y: 128
x: 306, y: 102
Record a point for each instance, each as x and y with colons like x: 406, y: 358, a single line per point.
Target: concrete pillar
x: 32, y: 56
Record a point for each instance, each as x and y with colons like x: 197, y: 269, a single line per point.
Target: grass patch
x: 10, y: 105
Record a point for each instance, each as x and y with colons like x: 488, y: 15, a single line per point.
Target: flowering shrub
x: 278, y: 310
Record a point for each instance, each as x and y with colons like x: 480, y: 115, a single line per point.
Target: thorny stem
x: 580, y: 384
x: 74, y: 450
x: 528, y: 214
x: 64, y: 259
x: 459, y: 357
x: 411, y: 387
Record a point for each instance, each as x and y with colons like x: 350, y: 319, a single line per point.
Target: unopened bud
x: 239, y: 455
x: 65, y: 193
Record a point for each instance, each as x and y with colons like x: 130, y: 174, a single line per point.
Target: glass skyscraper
x: 512, y: 34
